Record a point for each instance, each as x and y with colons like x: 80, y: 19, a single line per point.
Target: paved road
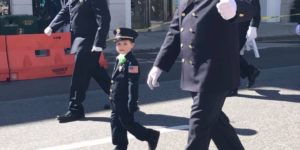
x: 266, y: 117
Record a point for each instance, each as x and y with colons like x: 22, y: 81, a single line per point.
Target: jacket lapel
x: 187, y: 4
x: 115, y: 68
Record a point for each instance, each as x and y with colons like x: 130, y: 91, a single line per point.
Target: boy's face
x: 124, y: 46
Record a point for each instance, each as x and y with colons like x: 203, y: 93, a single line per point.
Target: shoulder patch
x: 133, y: 69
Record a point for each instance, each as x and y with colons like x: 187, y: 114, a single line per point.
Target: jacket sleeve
x: 102, y: 14
x: 61, y: 18
x: 257, y: 15
x: 133, y: 86
x: 245, y: 11
x: 170, y: 49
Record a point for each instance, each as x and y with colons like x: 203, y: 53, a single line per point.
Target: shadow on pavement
x: 148, y: 119
x: 245, y: 132
x: 168, y: 121
x: 273, y: 95
x: 41, y: 104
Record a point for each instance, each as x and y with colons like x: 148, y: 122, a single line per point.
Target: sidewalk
x: 267, y: 32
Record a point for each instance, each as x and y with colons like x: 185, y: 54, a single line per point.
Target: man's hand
x: 252, y: 33
x: 96, y: 49
x: 227, y: 9
x: 153, y: 75
x: 298, y: 29
x: 48, y: 31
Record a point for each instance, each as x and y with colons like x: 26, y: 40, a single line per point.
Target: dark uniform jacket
x: 208, y: 43
x: 89, y: 22
x: 255, y: 22
x: 124, y: 87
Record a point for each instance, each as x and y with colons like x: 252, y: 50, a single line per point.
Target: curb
x: 279, y: 38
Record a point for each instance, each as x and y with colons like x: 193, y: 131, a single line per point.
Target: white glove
x: 153, y: 75
x: 252, y: 33
x: 227, y: 9
x: 298, y: 29
x: 96, y: 49
x: 48, y: 31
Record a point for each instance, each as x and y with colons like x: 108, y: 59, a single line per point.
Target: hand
x: 252, y: 33
x: 96, y: 49
x: 298, y: 29
x: 48, y: 31
x: 227, y: 9
x: 153, y: 75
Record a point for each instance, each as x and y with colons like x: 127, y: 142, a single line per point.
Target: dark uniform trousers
x: 245, y: 68
x: 86, y: 66
x: 121, y: 122
x: 208, y: 121
x: 124, y: 96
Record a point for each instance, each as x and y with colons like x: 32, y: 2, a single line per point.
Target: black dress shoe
x: 252, y: 77
x: 70, y: 116
x: 233, y: 93
x: 153, y: 139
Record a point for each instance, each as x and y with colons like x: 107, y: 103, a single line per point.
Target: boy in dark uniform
x: 124, y: 94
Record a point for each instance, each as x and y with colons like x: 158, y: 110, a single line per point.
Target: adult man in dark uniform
x: 205, y: 33
x: 90, y: 22
x: 248, y: 31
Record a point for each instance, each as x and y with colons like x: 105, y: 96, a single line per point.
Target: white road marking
x: 107, y: 140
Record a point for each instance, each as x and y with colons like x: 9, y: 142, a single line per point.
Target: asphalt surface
x: 266, y: 117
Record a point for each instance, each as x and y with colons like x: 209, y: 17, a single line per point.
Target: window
x: 4, y: 7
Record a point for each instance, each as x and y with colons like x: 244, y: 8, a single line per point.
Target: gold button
x: 241, y: 15
x: 182, y: 60
x: 110, y: 90
x: 191, y: 30
x: 194, y: 14
x: 190, y: 46
x: 181, y: 29
x: 111, y: 81
x: 110, y: 98
x: 190, y: 62
x: 181, y: 45
x: 183, y: 14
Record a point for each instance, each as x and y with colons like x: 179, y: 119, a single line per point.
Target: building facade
x: 143, y: 13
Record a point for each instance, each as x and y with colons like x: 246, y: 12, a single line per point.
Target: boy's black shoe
x: 70, y: 116
x: 252, y: 77
x: 153, y: 139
